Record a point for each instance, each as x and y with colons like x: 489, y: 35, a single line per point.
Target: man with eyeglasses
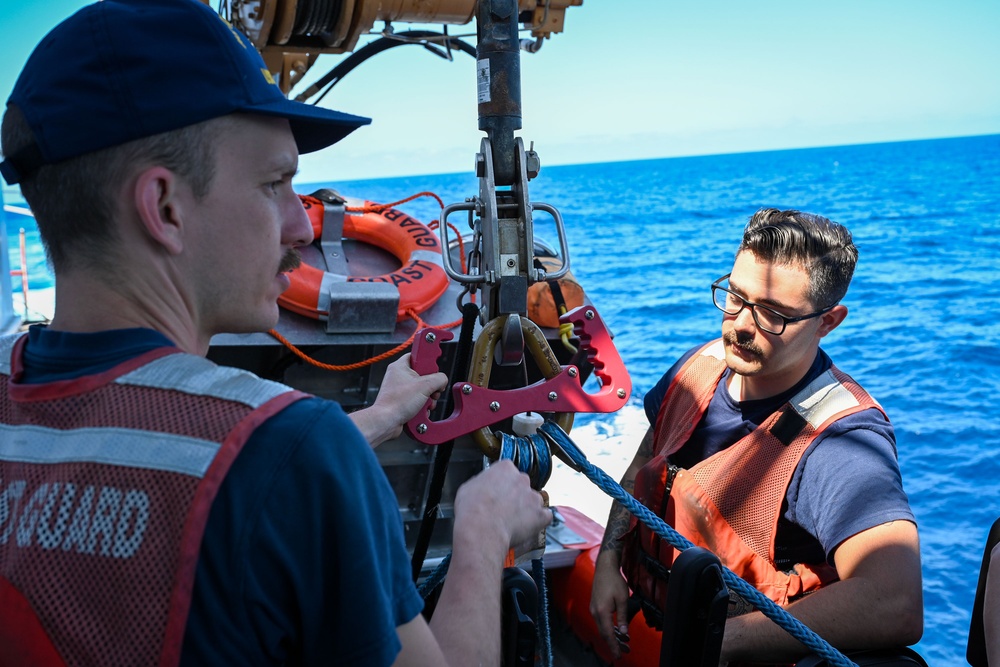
x: 764, y: 452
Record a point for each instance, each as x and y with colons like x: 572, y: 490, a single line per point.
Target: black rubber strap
x: 557, y: 295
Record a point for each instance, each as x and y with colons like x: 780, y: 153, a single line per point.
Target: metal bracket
x: 331, y: 241
x: 362, y: 307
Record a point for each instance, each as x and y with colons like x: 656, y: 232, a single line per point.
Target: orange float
x: 421, y: 278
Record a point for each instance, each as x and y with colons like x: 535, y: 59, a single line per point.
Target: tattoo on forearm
x: 646, y: 446
x: 618, y: 524
x: 619, y: 520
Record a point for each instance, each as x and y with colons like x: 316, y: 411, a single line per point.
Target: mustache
x: 743, y: 341
x: 291, y: 260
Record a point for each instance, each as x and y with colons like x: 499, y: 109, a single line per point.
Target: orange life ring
x: 421, y: 280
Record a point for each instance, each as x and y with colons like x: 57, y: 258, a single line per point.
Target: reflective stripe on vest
x: 731, y: 502
x: 105, y: 486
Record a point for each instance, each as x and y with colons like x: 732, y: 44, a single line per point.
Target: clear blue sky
x: 633, y: 79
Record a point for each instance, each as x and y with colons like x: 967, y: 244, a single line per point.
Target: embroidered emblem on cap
x: 234, y: 31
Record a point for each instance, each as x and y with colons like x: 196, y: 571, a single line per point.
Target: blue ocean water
x: 923, y: 335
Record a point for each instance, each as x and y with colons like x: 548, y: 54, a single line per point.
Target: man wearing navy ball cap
x: 156, y: 508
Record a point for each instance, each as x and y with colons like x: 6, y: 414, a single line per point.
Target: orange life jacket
x: 105, y: 487
x: 731, y: 502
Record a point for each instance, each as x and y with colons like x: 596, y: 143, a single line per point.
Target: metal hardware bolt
x: 466, y: 389
x: 421, y: 428
x: 430, y: 337
x: 572, y: 372
x: 495, y: 406
x: 621, y: 393
x: 532, y: 165
x: 589, y: 314
x: 553, y: 395
x: 500, y: 9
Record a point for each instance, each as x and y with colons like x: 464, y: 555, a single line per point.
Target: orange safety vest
x: 106, y: 483
x: 730, y: 503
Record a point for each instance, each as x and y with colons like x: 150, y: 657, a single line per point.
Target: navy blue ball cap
x: 120, y: 70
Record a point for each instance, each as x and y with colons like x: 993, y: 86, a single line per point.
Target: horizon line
x: 673, y: 157
x: 15, y: 189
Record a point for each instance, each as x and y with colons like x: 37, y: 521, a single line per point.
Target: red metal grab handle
x: 478, y: 407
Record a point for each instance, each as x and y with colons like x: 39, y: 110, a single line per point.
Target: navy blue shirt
x: 847, y: 481
x: 303, y: 560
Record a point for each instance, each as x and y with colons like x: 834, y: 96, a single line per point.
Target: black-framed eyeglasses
x: 767, y: 318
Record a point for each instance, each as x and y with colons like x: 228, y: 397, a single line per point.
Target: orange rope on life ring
x: 421, y: 280
x: 365, y: 362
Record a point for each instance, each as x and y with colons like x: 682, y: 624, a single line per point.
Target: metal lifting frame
x: 503, y: 210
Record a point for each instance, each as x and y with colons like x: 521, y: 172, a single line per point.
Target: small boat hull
x: 569, y: 591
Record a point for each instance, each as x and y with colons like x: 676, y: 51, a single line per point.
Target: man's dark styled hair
x: 823, y: 247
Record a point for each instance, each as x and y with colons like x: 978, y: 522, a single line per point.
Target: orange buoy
x: 549, y: 299
x: 421, y: 278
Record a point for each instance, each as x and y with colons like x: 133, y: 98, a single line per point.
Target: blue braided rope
x: 538, y: 572
x: 524, y: 455
x: 530, y: 454
x: 544, y: 458
x: 507, y: 447
x: 525, y: 450
x: 435, y: 578
x: 767, y: 606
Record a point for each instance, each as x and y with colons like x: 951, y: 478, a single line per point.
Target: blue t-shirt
x: 303, y: 560
x: 847, y: 481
